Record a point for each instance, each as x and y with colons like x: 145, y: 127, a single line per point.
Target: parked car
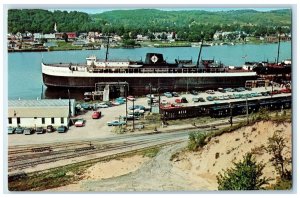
x: 193, y: 92
x: 86, y: 106
x: 62, y: 129
x: 201, y: 99
x: 226, y: 97
x: 11, y: 130
x: 221, y: 97
x: 168, y: 94
x: 150, y: 96
x: 249, y: 88
x: 178, y: 100
x: 264, y: 93
x: 49, y: 128
x: 115, y: 103
x: 79, y: 123
x: 231, y: 96
x: 184, y: 100
x: 121, y: 98
x: 229, y: 90
x: 19, y: 130
x: 140, y: 107
x: 96, y: 114
x: 28, y: 131
x: 164, y: 102
x: 40, y: 130
x: 115, y: 123
x: 285, y: 90
x: 195, y: 99
x: 209, y: 98
x: 131, y: 98
x: 175, y: 94
x: 239, y: 89
x: 210, y: 91
x: 154, y: 100
x: 102, y: 105
x: 221, y: 90
x: 242, y: 88
x: 130, y: 117
x: 254, y: 95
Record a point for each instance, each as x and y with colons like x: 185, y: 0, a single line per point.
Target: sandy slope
x: 190, y: 171
x: 231, y: 147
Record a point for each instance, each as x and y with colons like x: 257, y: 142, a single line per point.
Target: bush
x: 196, y: 140
x: 246, y: 175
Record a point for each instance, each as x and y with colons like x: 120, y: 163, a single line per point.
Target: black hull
x: 140, y: 86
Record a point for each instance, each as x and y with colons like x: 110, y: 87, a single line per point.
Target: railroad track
x: 28, y: 161
x: 23, y: 157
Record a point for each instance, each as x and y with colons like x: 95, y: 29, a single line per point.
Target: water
x: 25, y: 76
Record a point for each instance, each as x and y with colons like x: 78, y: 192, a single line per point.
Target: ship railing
x: 163, y: 70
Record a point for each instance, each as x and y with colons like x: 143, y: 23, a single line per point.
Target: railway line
x: 23, y: 158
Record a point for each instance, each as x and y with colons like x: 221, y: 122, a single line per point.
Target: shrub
x: 246, y: 175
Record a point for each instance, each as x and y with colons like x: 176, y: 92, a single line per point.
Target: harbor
x: 25, y: 80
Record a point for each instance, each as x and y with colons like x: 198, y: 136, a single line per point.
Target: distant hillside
x: 188, y: 24
x: 153, y: 18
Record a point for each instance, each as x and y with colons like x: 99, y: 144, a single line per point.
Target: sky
x: 96, y: 10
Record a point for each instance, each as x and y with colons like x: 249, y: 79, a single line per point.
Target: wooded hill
x: 145, y: 21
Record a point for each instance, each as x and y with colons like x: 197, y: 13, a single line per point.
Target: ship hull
x: 140, y: 85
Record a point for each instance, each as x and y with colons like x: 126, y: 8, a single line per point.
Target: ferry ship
x: 154, y: 71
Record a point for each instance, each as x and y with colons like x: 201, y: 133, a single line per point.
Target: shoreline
x: 154, y: 45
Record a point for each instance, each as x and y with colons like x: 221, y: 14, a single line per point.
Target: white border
x: 157, y: 3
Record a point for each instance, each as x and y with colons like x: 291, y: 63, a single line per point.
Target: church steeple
x: 55, y: 27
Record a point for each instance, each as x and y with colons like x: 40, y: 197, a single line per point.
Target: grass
x: 196, y: 142
x: 51, y: 179
x: 152, y: 152
x: 68, y: 174
x: 62, y: 46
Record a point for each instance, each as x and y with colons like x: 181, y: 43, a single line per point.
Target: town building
x: 40, y: 113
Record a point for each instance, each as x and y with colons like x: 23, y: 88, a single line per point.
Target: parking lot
x: 97, y: 128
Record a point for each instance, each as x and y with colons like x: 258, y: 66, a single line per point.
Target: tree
x: 196, y: 140
x: 65, y: 37
x: 246, y: 175
x: 276, y: 147
x: 151, y: 36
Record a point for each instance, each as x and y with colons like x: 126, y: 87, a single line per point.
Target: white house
x: 40, y: 113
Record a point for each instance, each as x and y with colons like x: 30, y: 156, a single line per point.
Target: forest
x: 188, y: 25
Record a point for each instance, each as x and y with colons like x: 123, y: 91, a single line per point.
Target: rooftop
x: 39, y: 108
x: 40, y: 103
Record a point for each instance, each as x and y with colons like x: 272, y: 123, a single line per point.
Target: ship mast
x: 106, y: 55
x: 199, y: 53
x: 278, y: 47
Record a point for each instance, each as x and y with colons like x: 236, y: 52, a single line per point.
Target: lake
x: 25, y: 76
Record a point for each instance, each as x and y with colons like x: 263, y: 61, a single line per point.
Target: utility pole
x: 69, y: 106
x: 126, y: 95
x: 158, y: 99
x: 272, y: 89
x: 150, y: 87
x: 247, y: 109
x: 133, y: 115
x: 230, y: 119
